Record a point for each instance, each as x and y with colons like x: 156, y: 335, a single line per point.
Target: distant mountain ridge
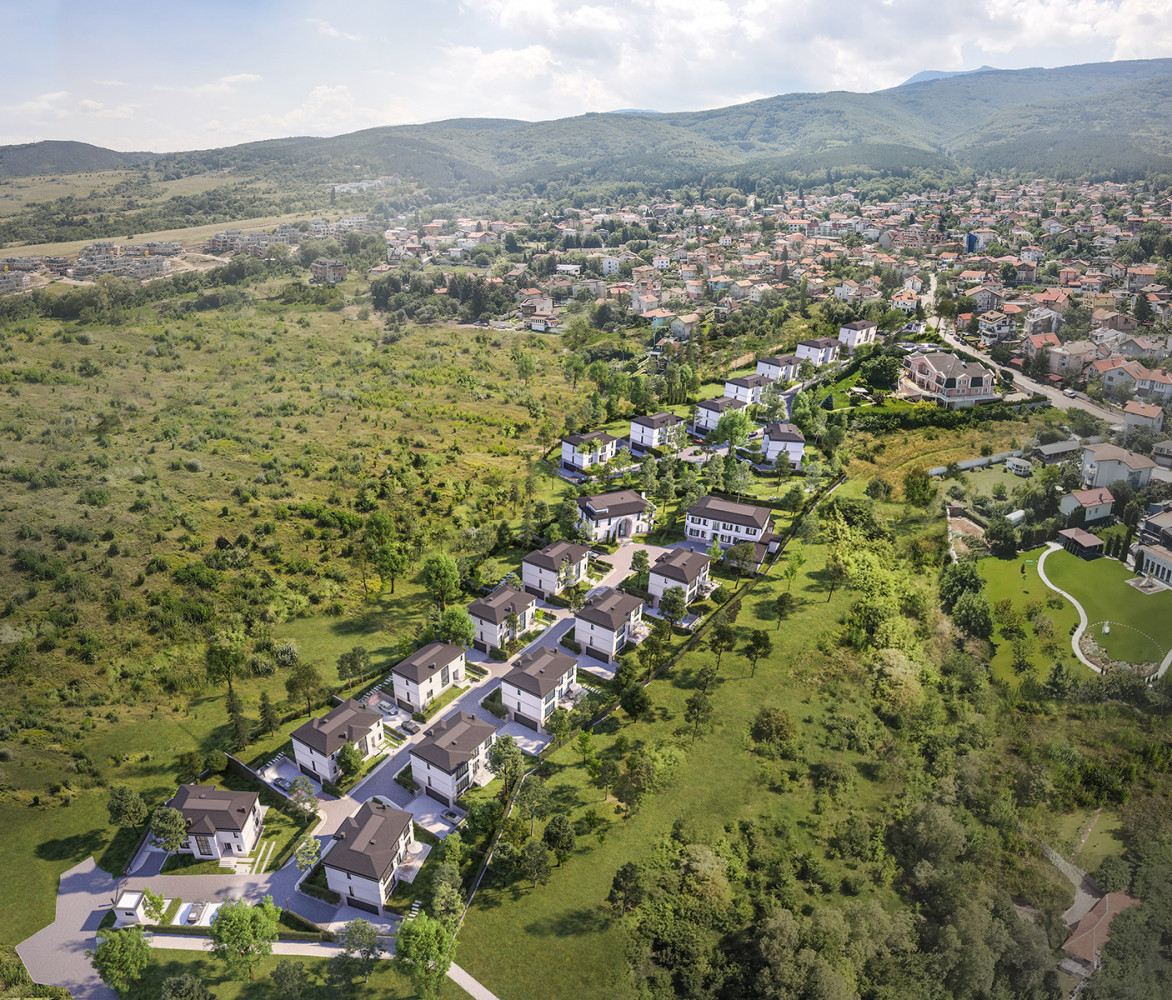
x: 1110, y: 118
x: 927, y: 75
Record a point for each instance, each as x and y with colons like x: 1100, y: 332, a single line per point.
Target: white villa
x: 491, y: 616
x: 537, y: 684
x: 727, y: 522
x: 426, y: 674
x: 617, y: 515
x: 317, y: 742
x: 678, y: 568
x: 783, y: 442
x: 653, y: 431
x: 581, y: 451
x: 781, y: 368
x: 367, y: 849
x: 607, y: 623
x: 219, y: 823
x: 709, y: 411
x: 747, y: 390
x: 854, y: 335
x: 548, y: 571
x: 453, y: 755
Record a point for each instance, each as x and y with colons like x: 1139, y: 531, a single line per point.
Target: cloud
x: 41, y: 104
x: 221, y: 85
x: 100, y: 110
x: 329, y: 31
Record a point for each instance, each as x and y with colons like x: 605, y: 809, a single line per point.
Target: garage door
x: 360, y: 904
x: 436, y: 795
x: 527, y: 723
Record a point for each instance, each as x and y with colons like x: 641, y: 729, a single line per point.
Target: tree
x: 291, y: 979
x: 349, y: 760
x: 559, y: 837
x: 1001, y: 537
x: 153, y: 904
x: 223, y: 660
x: 635, y: 701
x: 773, y: 725
x: 120, y: 957
x: 698, y: 711
x: 440, y: 578
x: 168, y: 829
x: 732, y: 428
x: 759, y: 645
x: 971, y: 615
x: 626, y: 889
x: 189, y: 766
x: 360, y: 943
x: 608, y: 774
x: 455, y: 625
x: 533, y: 801
x: 575, y: 368
x: 535, y: 862
x: 526, y: 367
x: 126, y: 807
x: 641, y: 565
x: 308, y: 853
x: 353, y: 664
x: 185, y: 987
x: 706, y: 677
x: 304, y: 682
x: 269, y: 719
x: 584, y: 745
x: 505, y: 761
x: 673, y: 605
x: 783, y: 604
x: 917, y: 487
x: 722, y: 639
x: 242, y: 934
x: 303, y: 795
x: 959, y: 578
x: 423, y: 952
x: 558, y: 725
x: 740, y: 557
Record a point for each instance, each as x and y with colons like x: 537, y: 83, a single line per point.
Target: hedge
x: 496, y: 653
x: 573, y: 645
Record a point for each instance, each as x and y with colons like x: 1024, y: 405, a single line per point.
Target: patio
x: 528, y: 740
x: 285, y: 767
x: 413, y: 863
x: 428, y: 813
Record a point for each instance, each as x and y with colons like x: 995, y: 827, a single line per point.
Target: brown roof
x: 734, y: 513
x: 540, y: 670
x: 347, y: 723
x: 453, y: 742
x: 1080, y: 537
x: 610, y: 609
x: 208, y: 809
x: 617, y: 504
x: 556, y: 553
x: 1091, y: 934
x: 367, y: 843
x: 681, y: 565
x: 428, y: 661
x: 501, y: 603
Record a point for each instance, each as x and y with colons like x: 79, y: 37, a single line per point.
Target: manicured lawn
x: 185, y: 864
x: 1141, y: 624
x: 561, y: 939
x: 1004, y: 579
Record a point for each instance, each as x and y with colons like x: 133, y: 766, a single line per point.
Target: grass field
x: 1141, y: 624
x: 892, y: 455
x: 1004, y: 580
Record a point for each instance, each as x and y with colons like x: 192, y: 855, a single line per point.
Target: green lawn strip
x: 384, y: 984
x: 172, y: 909
x: 1145, y: 634
x: 1004, y: 580
x: 186, y: 864
x: 407, y: 892
x: 445, y: 699
x: 562, y: 940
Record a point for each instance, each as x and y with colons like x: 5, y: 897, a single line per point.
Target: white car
x: 1069, y: 393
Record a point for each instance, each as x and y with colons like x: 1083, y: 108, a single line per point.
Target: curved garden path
x: 1076, y: 639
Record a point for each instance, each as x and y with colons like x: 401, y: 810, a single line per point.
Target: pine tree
x: 269, y: 719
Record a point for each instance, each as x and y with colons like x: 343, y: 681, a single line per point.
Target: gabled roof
x: 734, y: 513
x: 1092, y: 498
x: 620, y: 503
x: 1091, y: 934
x: 610, y: 609
x: 208, y: 809
x: 681, y: 565
x: 720, y: 403
x: 428, y: 661
x: 657, y: 420
x: 347, y: 723
x: 540, y: 670
x: 367, y: 843
x: 556, y: 553
x: 777, y: 431
x: 453, y: 742
x: 501, y: 603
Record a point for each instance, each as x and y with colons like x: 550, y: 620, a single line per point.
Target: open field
x: 1141, y: 624
x: 893, y: 454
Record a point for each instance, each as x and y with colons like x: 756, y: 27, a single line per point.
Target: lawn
x: 892, y: 454
x: 562, y: 941
x: 1141, y: 624
x: 186, y: 864
x: 1005, y: 580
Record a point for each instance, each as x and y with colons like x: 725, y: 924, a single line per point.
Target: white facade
x: 317, y: 742
x: 654, y: 431
x: 618, y: 515
x: 820, y: 350
x: 607, y: 623
x: 551, y: 570
x: 779, y: 369
x: 747, y: 390
x: 584, y: 451
x: 690, y: 575
x: 726, y: 522
x: 1103, y: 464
x: 852, y: 336
x: 531, y: 691
x: 783, y: 442
x: 426, y: 675
x: 708, y: 412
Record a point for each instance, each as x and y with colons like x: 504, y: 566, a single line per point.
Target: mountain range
x: 1105, y: 119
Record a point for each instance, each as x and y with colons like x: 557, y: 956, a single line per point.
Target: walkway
x: 1076, y: 639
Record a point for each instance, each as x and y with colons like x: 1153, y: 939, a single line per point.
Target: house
x: 655, y: 431
x: 219, y: 823
x: 502, y: 616
x: 783, y: 441
x: 681, y: 568
x: 1089, y: 937
x: 709, y: 411
x: 367, y: 849
x: 539, y: 682
x: 426, y: 674
x: 995, y: 326
x: 1162, y: 454
x: 1137, y: 414
x: 317, y: 742
x: 581, y: 451
x: 1104, y: 464
x: 955, y: 384
x: 1041, y: 320
x: 548, y: 571
x: 727, y: 522
x: 1035, y: 343
x: 453, y: 755
x: 618, y: 515
x: 1094, y: 505
x: 608, y: 623
x: 747, y: 390
x: 781, y: 368
x: 853, y: 335
x: 1072, y: 357
x: 682, y: 327
x: 819, y: 350
x: 1058, y: 452
x: 327, y: 270
x: 1081, y: 543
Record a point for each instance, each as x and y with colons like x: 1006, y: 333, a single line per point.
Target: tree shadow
x: 74, y: 848
x: 571, y: 923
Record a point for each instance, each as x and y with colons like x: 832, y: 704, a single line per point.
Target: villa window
x: 203, y: 845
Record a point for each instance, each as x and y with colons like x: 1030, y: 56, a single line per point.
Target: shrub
x: 496, y: 653
x: 573, y: 645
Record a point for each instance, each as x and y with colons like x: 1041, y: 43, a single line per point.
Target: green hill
x: 55, y: 157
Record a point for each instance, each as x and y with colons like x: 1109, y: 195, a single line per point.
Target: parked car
x: 387, y: 706
x: 283, y: 783
x: 409, y: 727
x: 195, y: 912
x: 1070, y: 393
x: 451, y: 816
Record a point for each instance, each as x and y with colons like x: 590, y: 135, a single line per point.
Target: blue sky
x: 181, y: 75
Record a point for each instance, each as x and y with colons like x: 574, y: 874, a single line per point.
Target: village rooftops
x: 501, y: 603
x: 610, y: 609
x: 453, y: 742
x: 208, y: 809
x: 657, y: 420
x: 681, y: 565
x: 621, y: 503
x: 428, y: 661
x: 367, y: 843
x: 540, y: 670
x: 1113, y: 453
x: 555, y: 554
x: 347, y: 723
x: 715, y: 509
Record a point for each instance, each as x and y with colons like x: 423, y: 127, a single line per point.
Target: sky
x: 180, y: 75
